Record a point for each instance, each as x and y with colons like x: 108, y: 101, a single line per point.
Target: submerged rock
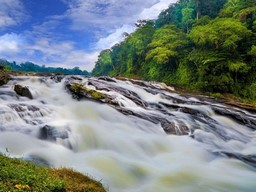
x: 23, y: 91
x: 38, y: 161
x: 50, y: 133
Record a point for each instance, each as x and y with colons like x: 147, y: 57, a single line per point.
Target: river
x: 151, y: 140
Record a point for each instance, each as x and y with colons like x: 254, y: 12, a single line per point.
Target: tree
x: 218, y: 56
x: 104, y: 64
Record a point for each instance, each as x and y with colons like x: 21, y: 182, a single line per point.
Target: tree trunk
x: 198, y: 9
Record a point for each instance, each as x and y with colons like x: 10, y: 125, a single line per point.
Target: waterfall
x: 140, y: 137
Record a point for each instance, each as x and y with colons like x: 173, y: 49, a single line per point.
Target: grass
x: 18, y: 175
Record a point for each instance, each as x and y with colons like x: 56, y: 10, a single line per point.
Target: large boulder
x: 23, y: 91
x: 80, y: 91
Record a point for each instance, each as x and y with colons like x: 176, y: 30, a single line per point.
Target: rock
x: 248, y: 159
x: 238, y: 116
x: 39, y: 161
x: 22, y: 107
x: 23, y: 91
x: 50, y: 133
x: 175, y: 128
x: 4, y: 78
x: 248, y: 107
x: 125, y: 92
x: 105, y: 78
x: 57, y: 78
x: 81, y: 92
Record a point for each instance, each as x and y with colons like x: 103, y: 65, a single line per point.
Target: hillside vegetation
x: 205, y: 45
x: 32, y: 67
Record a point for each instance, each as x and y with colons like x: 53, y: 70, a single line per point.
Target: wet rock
x: 31, y: 114
x: 7, y: 93
x: 39, y: 161
x: 23, y: 91
x: 248, y: 159
x: 57, y: 78
x: 175, y: 128
x: 76, y: 78
x: 247, y: 107
x: 50, y: 133
x: 22, y: 107
x: 238, y: 116
x: 4, y: 78
x: 106, y: 78
x: 125, y: 92
x: 81, y: 92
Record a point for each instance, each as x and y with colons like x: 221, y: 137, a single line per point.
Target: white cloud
x: 154, y: 11
x: 12, y: 12
x: 79, y: 58
x: 63, y: 54
x: 105, y: 14
x: 10, y: 43
x: 113, y: 38
x: 50, y: 48
x: 51, y: 52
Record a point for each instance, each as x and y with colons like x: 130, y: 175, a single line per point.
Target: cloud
x: 113, y: 38
x: 116, y: 36
x: 63, y: 54
x: 46, y: 51
x: 153, y: 11
x: 12, y: 12
x: 80, y: 58
x: 105, y: 14
x: 10, y: 43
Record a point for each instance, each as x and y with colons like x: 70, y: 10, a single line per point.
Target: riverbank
x: 18, y: 175
x: 225, y: 98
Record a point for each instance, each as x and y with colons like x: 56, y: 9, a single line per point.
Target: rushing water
x: 125, y: 152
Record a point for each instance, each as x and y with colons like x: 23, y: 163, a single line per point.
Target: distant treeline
x: 31, y: 67
x: 206, y: 45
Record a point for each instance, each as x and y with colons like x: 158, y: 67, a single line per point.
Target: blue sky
x: 68, y: 33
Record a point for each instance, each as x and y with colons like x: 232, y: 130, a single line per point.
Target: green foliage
x: 104, y: 64
x: 221, y: 33
x: 31, y: 67
x: 7, y: 68
x: 253, y: 51
x: 17, y: 175
x: 208, y: 45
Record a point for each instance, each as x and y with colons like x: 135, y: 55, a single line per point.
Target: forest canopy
x: 206, y: 45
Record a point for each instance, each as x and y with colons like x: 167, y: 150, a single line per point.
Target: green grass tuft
x: 18, y: 175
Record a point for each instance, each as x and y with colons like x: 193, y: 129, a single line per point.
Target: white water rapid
x: 128, y: 153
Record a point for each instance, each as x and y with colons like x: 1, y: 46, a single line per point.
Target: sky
x: 68, y: 33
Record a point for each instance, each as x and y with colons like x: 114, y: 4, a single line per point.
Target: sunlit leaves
x: 253, y: 51
x: 165, y: 44
x: 222, y: 33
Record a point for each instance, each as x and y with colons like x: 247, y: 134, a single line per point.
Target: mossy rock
x: 18, y: 175
x: 4, y: 78
x: 79, y: 92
